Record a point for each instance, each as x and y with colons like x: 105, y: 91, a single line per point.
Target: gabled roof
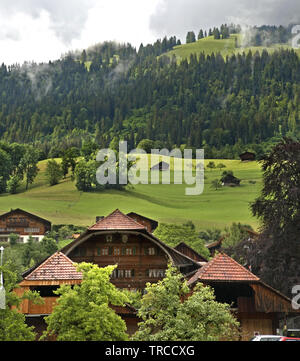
x: 225, y: 269
x: 56, y: 267
x: 152, y: 221
x: 117, y: 221
x: 18, y: 210
x: 184, y: 245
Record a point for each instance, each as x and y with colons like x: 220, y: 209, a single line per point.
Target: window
x: 105, y: 252
x: 117, y: 251
x: 156, y: 273
x: 32, y: 230
x: 79, y: 252
x: 128, y: 251
x: 127, y: 273
x: 152, y: 251
x: 120, y: 273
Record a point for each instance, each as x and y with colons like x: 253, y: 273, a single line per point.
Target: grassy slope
x: 226, y: 47
x: 63, y: 204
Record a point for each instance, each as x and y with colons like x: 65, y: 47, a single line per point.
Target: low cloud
x: 177, y: 17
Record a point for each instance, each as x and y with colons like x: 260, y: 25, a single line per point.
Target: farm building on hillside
x: 162, y: 166
x: 229, y: 180
x: 141, y: 258
x: 248, y: 157
x: 23, y: 224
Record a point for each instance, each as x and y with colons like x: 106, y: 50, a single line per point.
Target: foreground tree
x: 12, y: 322
x: 83, y: 313
x: 169, y: 314
x: 275, y: 257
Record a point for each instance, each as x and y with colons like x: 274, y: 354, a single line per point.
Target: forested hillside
x: 112, y: 92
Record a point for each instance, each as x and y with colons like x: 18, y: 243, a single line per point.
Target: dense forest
x: 111, y: 92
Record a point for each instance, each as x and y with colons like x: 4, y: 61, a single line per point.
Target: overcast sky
x: 43, y: 30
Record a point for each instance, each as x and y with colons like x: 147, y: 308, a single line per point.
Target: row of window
x: 26, y: 230
x: 116, y: 251
x: 151, y: 273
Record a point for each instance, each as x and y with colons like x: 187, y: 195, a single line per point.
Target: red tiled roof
x: 223, y: 268
x: 56, y: 267
x: 117, y: 221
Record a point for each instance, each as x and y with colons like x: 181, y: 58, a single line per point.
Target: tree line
x: 114, y: 92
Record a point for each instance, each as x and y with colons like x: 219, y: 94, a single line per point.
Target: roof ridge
x: 209, y: 267
x: 241, y: 266
x: 117, y: 211
x: 43, y: 264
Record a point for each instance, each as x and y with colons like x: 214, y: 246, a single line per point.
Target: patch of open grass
x: 64, y: 204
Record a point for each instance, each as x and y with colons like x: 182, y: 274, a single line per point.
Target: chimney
x: 99, y: 218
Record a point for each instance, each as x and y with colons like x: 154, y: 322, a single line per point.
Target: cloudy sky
x: 42, y: 30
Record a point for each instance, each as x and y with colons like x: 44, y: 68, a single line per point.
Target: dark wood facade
x: 190, y: 252
x: 139, y: 260
x: 248, y: 157
x: 24, y: 224
x: 258, y: 307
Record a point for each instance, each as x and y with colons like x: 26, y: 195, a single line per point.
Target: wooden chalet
x: 24, y: 224
x: 190, y: 252
x: 257, y: 306
x: 140, y: 256
x: 248, y: 157
x: 45, y: 278
x: 116, y: 239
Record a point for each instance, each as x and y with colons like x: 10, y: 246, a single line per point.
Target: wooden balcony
x: 29, y: 308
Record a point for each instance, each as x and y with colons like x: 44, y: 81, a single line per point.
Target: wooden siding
x: 266, y: 300
x: 138, y: 254
x: 20, y: 223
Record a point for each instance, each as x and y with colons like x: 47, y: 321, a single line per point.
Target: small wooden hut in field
x: 162, y: 166
x: 248, y: 157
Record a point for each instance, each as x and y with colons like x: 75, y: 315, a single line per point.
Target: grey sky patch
x: 67, y: 17
x: 177, y: 17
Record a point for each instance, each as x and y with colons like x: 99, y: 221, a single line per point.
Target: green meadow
x: 226, y: 47
x: 64, y: 204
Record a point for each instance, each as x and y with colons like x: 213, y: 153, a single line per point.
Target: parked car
x: 273, y: 338
x: 289, y: 339
x: 266, y: 338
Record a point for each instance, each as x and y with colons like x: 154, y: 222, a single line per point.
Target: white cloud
x: 43, y: 30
